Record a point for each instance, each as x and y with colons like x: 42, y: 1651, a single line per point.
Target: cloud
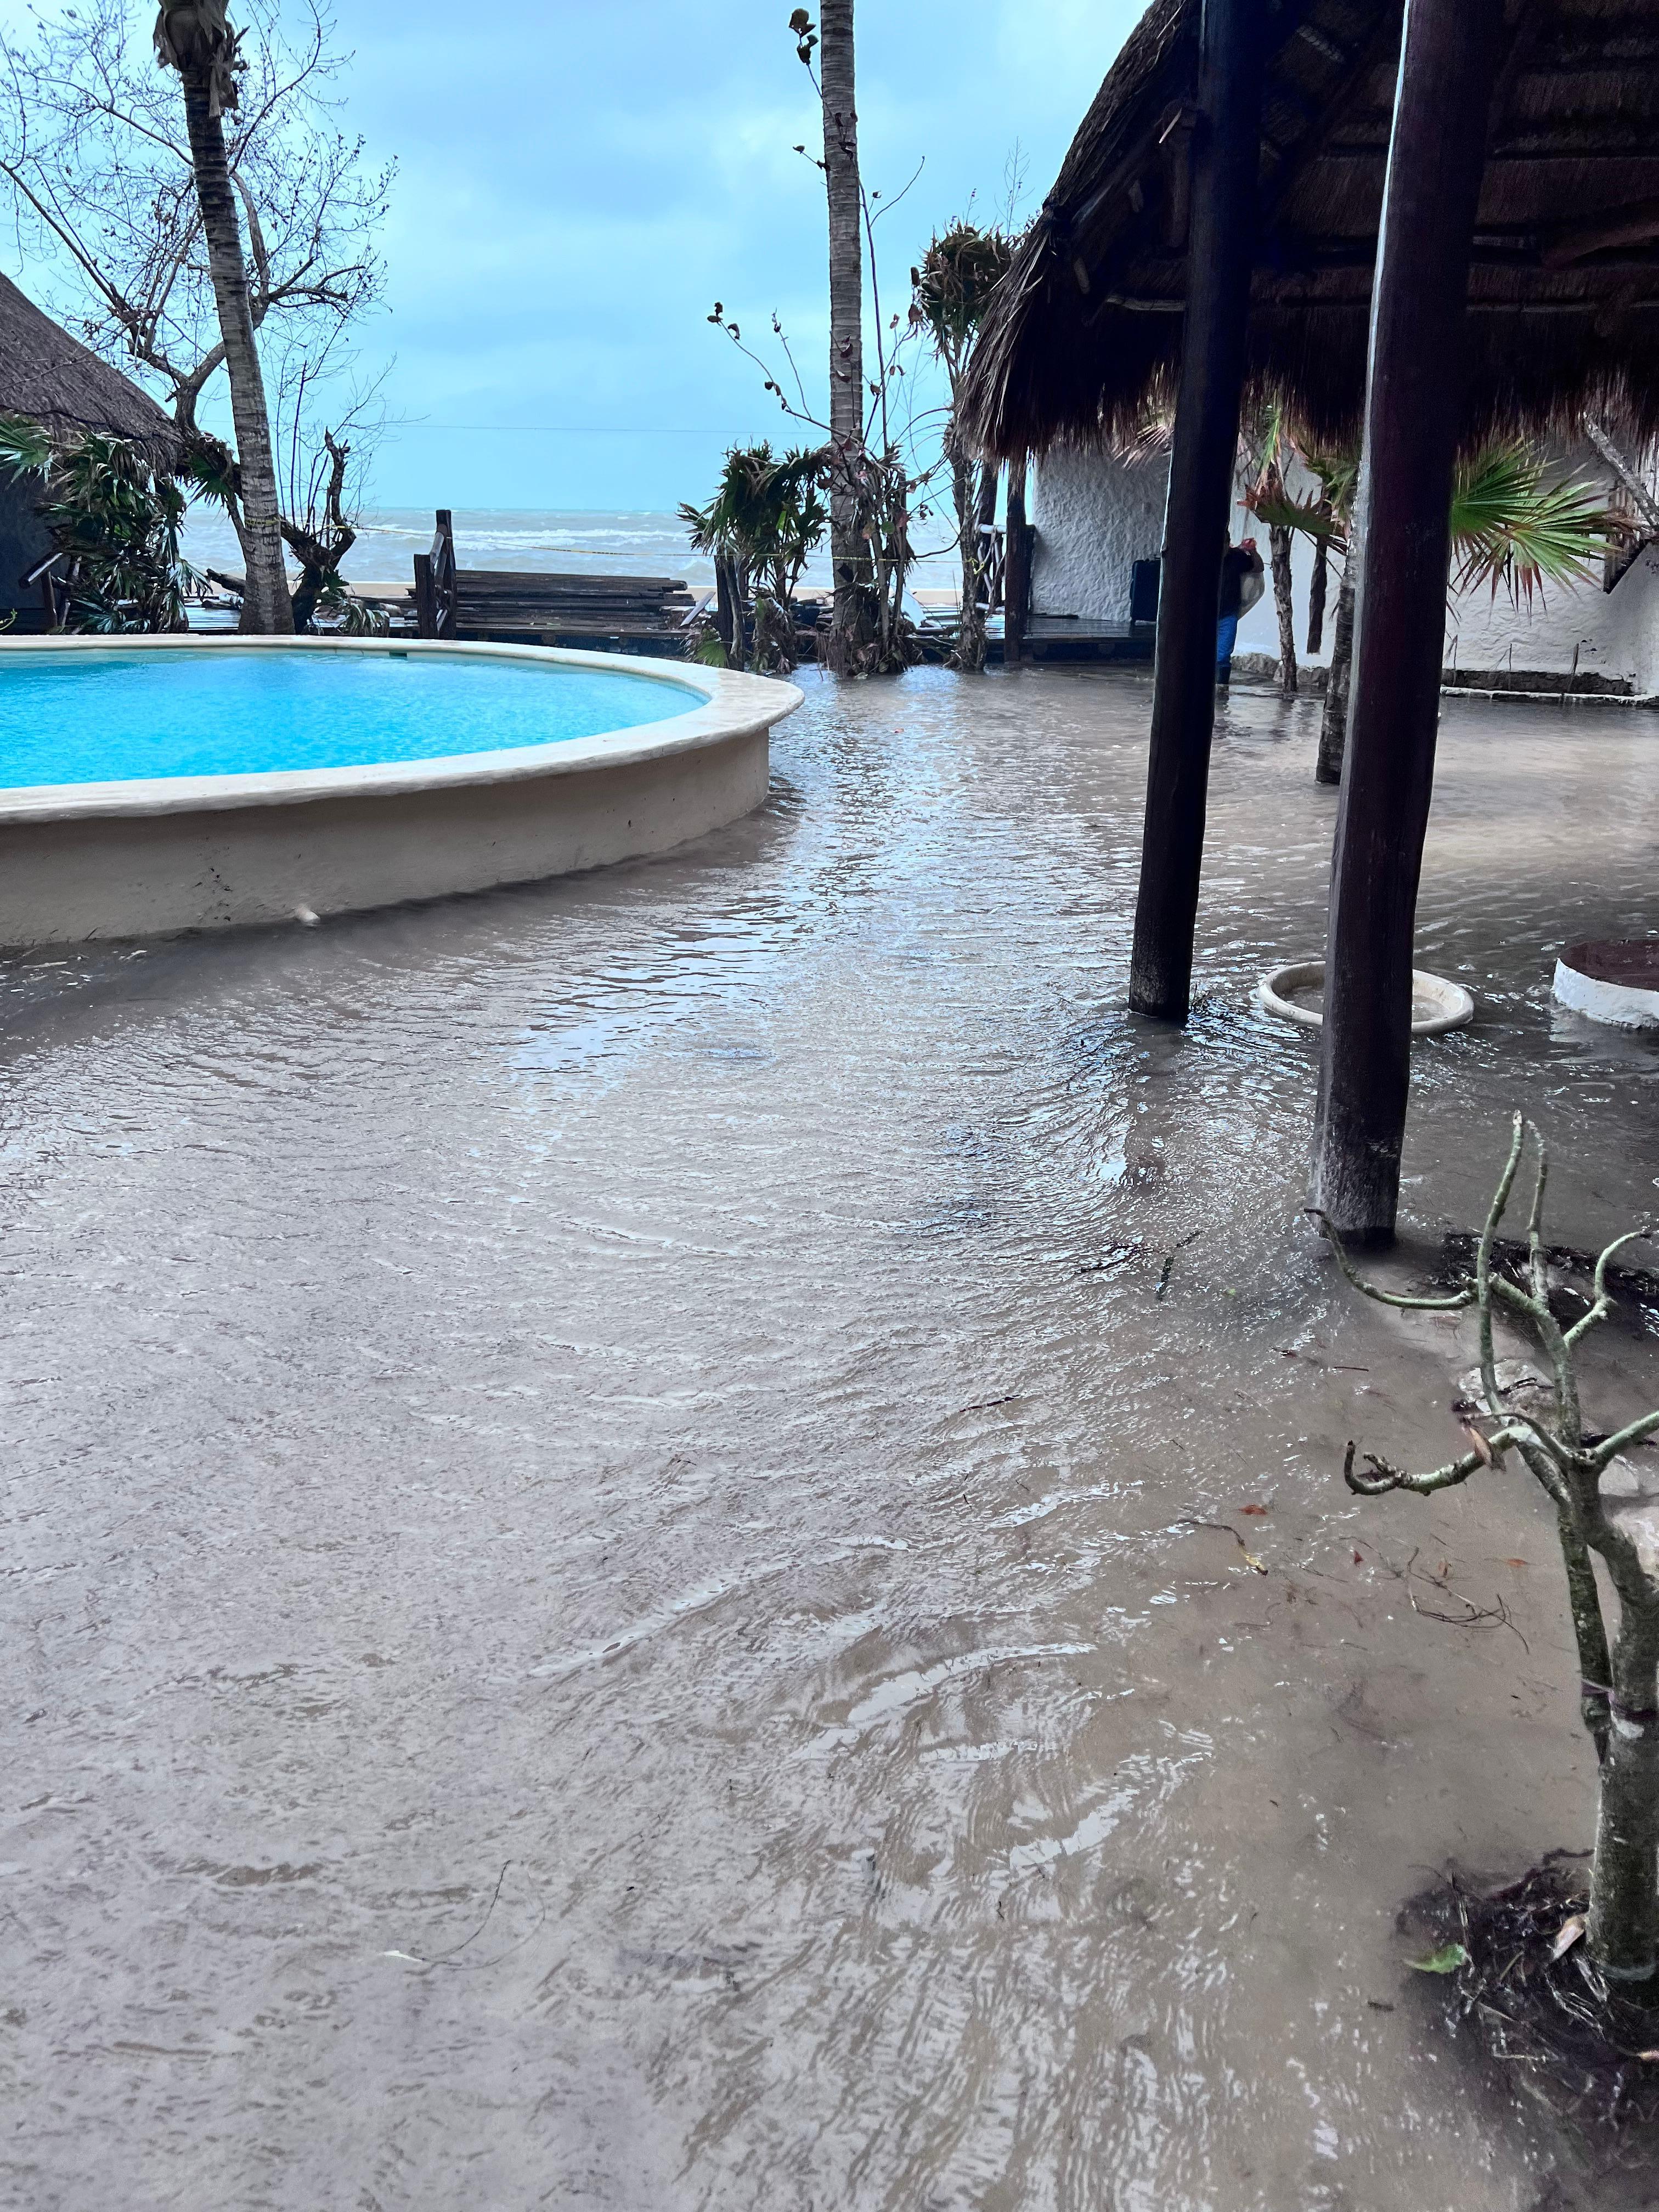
x: 581, y: 180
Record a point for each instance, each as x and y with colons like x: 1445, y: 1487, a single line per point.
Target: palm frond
x: 1272, y: 504
x: 25, y: 448
x: 1516, y: 530
x: 952, y: 290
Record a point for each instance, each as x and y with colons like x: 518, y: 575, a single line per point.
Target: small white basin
x: 1294, y: 993
x: 1616, y: 981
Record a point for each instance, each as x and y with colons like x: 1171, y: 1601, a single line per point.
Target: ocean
x: 645, y: 545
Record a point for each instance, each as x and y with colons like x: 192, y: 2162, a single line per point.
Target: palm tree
x: 195, y: 38
x: 114, y: 521
x: 1512, y: 530
x: 763, y: 521
x: 853, y: 620
x: 950, y: 293
x: 1272, y: 449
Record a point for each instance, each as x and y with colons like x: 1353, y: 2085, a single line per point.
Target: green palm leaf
x: 1514, y: 530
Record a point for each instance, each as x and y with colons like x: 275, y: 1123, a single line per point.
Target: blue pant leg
x: 1226, y: 637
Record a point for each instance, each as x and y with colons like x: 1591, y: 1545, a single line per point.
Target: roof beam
x: 1636, y: 225
x: 1379, y: 47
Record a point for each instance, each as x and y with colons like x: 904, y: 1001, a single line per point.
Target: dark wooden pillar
x: 1016, y: 568
x: 1449, y: 64
x: 1220, y: 250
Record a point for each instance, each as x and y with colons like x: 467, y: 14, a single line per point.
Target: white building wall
x: 1096, y: 517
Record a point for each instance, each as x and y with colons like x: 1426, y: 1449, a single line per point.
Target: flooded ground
x: 607, y: 1597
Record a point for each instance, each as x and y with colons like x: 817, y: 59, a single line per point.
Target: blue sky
x: 582, y: 178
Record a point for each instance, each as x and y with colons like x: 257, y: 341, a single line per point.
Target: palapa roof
x: 1564, y: 287
x: 55, y: 380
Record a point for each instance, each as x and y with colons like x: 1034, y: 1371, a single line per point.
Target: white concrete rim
x: 1615, y: 1006
x: 1455, y: 1008
x: 733, y: 707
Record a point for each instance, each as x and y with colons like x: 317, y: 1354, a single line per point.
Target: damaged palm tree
x: 950, y: 293
x: 1595, y: 1519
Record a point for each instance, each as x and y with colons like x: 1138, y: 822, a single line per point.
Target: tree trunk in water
x: 852, y: 622
x: 1334, y: 730
x: 970, y: 636
x: 266, y: 608
x: 1279, y: 543
x: 1623, y: 1917
x: 1318, y: 586
x: 1450, y: 53
x: 1017, y: 568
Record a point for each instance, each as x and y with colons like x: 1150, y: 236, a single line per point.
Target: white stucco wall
x: 1096, y: 517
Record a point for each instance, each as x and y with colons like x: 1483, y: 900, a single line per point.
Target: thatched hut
x: 1436, y: 217
x: 1564, y: 292
x: 53, y: 379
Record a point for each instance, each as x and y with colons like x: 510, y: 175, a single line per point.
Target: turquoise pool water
x: 110, y: 716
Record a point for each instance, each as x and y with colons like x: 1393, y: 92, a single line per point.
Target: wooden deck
x: 1076, y: 637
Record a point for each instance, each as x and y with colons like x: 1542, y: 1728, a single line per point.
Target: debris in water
x: 1570, y: 1933
x: 1446, y: 1961
x: 1163, y: 1279
x: 1225, y: 1529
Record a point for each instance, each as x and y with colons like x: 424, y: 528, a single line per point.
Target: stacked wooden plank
x: 643, y: 612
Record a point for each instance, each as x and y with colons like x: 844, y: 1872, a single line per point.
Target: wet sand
x: 601, y: 1600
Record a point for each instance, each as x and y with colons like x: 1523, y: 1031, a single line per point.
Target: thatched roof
x: 52, y: 378
x: 1565, y: 289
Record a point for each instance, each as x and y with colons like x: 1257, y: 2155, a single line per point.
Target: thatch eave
x: 53, y: 379
x: 1085, y: 333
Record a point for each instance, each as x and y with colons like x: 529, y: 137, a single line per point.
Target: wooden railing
x: 992, y: 561
x: 435, y: 581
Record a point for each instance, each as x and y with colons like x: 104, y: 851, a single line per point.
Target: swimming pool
x: 121, y: 713
x: 153, y: 785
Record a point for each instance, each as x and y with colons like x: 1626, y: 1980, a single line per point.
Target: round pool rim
x: 164, y: 856
x: 732, y: 705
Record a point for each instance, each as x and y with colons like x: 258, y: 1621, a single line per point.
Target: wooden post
x: 1220, y: 251
x: 435, y: 580
x: 425, y: 617
x: 1450, y: 53
x: 1016, y: 568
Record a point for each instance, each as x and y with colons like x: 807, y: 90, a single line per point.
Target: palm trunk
x: 266, y: 608
x: 728, y: 625
x: 852, y: 621
x: 970, y: 635
x: 1333, y: 732
x: 1318, y: 586
x: 1279, y: 543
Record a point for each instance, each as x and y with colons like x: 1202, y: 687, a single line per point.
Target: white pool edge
x: 81, y: 863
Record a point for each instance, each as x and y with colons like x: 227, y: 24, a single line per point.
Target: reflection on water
x: 612, y: 1593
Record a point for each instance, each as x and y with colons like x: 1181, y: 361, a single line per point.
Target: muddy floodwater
x: 609, y: 1597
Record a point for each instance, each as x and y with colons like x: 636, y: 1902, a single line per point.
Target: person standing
x: 1243, y: 581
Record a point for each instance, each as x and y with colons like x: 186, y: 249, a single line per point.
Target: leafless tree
x: 1620, y: 1677
x: 102, y: 173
